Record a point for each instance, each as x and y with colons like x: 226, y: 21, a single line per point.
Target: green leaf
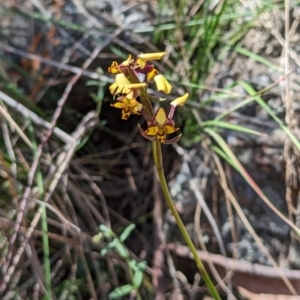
x: 126, y: 232
x: 106, y: 230
x: 112, y: 245
x: 121, y: 250
x: 121, y: 291
x: 142, y: 265
x: 133, y: 265
x: 138, y: 278
x: 104, y: 251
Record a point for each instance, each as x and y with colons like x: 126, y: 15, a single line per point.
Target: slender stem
x: 157, y: 156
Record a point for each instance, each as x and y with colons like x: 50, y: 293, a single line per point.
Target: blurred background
x: 82, y: 215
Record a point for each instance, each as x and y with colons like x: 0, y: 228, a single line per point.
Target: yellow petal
x: 151, y: 74
x: 152, y: 56
x: 141, y: 62
x: 170, y: 129
x: 132, y: 105
x: 114, y: 68
x: 127, y: 62
x: 152, y: 130
x: 132, y: 94
x: 121, y: 82
x: 118, y: 105
x: 144, y: 57
x: 139, y: 106
x: 130, y: 102
x: 113, y: 88
x: 161, y: 116
x: 135, y: 85
x: 135, y: 106
x: 180, y: 101
x: 162, y: 84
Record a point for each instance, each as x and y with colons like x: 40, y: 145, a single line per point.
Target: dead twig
x: 255, y: 278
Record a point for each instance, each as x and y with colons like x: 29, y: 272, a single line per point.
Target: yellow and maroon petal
x: 144, y: 134
x: 161, y: 135
x: 125, y: 114
x: 170, y: 129
x: 152, y: 130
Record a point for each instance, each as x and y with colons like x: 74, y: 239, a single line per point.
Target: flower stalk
x: 133, y: 77
x: 157, y: 155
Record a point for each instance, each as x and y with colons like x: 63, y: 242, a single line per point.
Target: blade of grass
x: 234, y: 202
x: 234, y: 127
x: 44, y: 224
x: 228, y: 16
x: 257, y: 58
x: 238, y: 166
x: 252, y: 97
x: 250, y: 90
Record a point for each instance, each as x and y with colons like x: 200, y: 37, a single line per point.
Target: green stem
x: 157, y: 156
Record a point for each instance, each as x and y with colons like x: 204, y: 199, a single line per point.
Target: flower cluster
x: 130, y: 92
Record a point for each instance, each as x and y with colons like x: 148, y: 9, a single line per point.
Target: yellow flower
x: 162, y: 84
x: 114, y: 68
x: 128, y: 106
x: 159, y: 127
x: 144, y: 57
x: 128, y: 102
